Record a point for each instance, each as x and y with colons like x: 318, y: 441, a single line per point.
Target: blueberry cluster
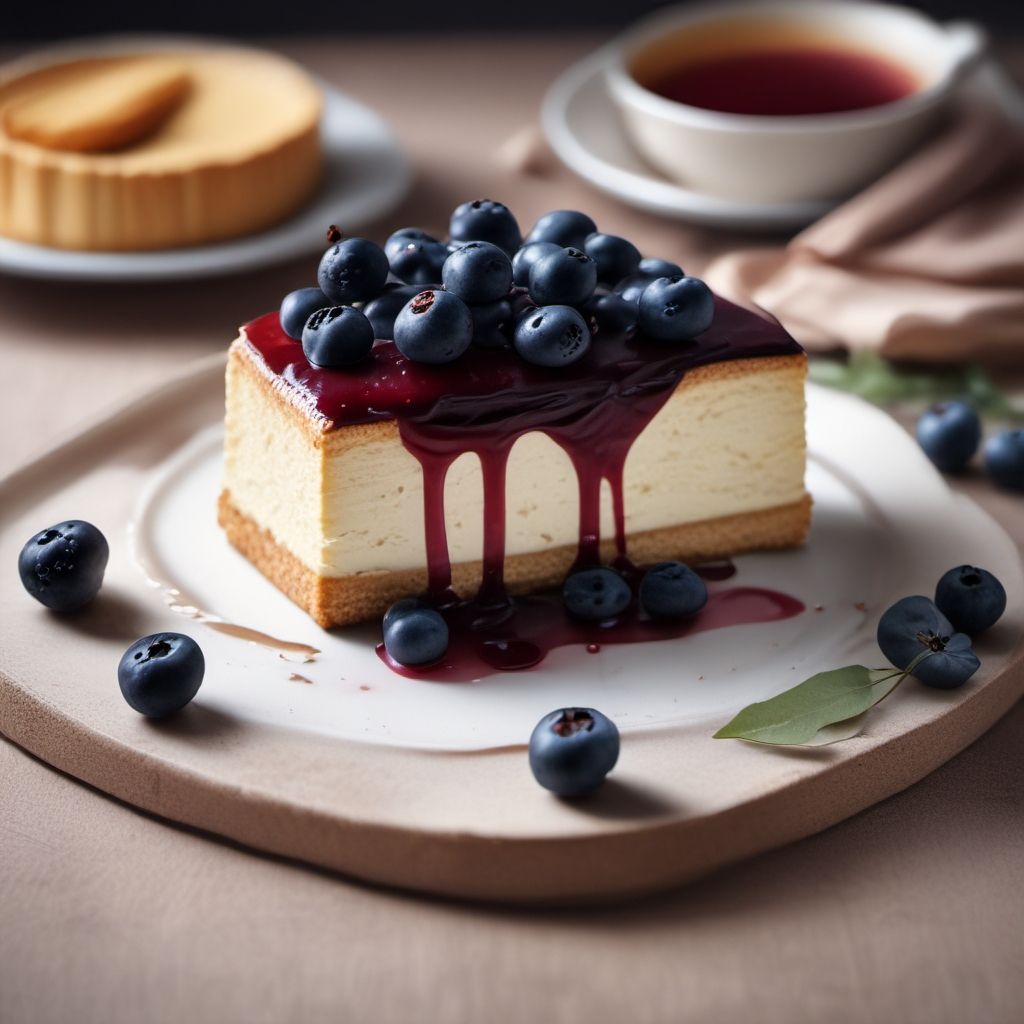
x: 571, y: 749
x: 545, y: 295
x: 950, y: 435
x: 62, y: 567
x: 932, y: 639
x: 668, y: 592
x: 416, y: 635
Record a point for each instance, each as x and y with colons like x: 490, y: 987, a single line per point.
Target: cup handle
x: 968, y: 44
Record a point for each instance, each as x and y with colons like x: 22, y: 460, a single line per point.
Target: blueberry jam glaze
x: 519, y: 633
x: 483, y: 403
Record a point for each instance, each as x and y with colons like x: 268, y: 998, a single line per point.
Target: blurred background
x: 58, y: 20
x: 459, y: 86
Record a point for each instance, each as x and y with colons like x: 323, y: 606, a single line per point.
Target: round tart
x: 155, y: 150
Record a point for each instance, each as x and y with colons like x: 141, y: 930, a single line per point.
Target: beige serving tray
x: 425, y: 785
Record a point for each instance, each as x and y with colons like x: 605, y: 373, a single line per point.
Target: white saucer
x: 583, y: 127
x: 365, y: 176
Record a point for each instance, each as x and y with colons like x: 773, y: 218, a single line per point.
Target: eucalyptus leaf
x: 838, y: 731
x: 798, y: 715
x: 883, y: 382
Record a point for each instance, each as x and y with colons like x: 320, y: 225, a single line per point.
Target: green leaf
x: 875, y: 378
x: 838, y: 731
x: 826, y: 700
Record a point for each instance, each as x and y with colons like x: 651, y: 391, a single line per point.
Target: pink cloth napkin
x: 925, y: 264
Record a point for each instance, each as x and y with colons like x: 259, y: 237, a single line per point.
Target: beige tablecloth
x: 909, y: 912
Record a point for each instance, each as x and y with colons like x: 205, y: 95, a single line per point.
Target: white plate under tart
x: 365, y: 176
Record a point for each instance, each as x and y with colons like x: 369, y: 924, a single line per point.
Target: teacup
x: 777, y: 158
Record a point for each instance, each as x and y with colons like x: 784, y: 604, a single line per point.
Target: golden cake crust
x: 339, y: 601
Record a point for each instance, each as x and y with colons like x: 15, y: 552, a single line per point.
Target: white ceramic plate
x: 585, y: 130
x: 365, y: 176
x: 426, y: 785
x: 882, y: 528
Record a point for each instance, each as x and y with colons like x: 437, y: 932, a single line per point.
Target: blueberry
x: 565, y: 277
x: 484, y: 220
x: 913, y: 625
x: 434, y: 327
x: 492, y: 324
x: 400, y: 608
x: 416, y: 636
x: 526, y: 257
x: 949, y: 433
x: 572, y: 750
x: 418, y: 261
x: 520, y: 302
x: 676, y: 308
x: 596, y: 594
x: 1004, y: 459
x: 161, y: 673
x: 971, y: 598
x: 652, y: 268
x: 551, y: 336
x: 381, y: 311
x: 615, y: 257
x: 354, y: 270
x: 62, y: 567
x: 399, y: 239
x: 563, y: 227
x: 633, y: 287
x: 337, y: 336
x: 671, y: 591
x: 297, y: 307
x: 477, y: 272
x: 614, y: 315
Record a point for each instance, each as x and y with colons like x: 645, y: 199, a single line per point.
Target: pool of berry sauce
x: 517, y: 634
x: 483, y: 403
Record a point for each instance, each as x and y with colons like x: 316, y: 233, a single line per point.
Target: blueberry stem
x: 895, y: 672
x: 933, y: 642
x: 927, y: 653
x: 903, y: 673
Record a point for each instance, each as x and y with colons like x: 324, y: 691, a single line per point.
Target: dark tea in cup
x: 771, y: 71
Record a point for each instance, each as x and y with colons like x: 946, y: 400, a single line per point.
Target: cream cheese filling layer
x: 718, y: 447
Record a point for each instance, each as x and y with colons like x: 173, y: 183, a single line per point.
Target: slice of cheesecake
x: 352, y: 488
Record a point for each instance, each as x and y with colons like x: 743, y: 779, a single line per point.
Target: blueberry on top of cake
x: 484, y: 413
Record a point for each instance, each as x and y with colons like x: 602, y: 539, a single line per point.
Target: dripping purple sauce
x: 520, y: 633
x: 483, y: 403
